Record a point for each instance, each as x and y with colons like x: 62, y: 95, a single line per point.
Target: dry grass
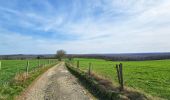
x: 126, y: 94
x: 21, y: 77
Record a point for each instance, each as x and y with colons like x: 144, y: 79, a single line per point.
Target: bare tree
x: 60, y: 54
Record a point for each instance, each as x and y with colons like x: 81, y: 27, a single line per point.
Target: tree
x: 40, y: 57
x: 60, y: 54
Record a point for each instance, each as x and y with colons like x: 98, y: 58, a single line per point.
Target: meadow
x: 9, y: 70
x: 149, y: 77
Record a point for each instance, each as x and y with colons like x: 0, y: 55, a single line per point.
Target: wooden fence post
x: 118, y: 74
x: 27, y: 68
x: 44, y: 64
x: 78, y: 64
x: 121, y: 76
x: 89, y: 71
x: 0, y: 65
x: 38, y: 63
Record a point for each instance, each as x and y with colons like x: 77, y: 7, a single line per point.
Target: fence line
x: 119, y: 70
x: 30, y: 65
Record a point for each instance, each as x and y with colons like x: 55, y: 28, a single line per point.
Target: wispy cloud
x: 87, y: 26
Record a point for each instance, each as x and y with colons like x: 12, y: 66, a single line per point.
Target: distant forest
x: 126, y: 57
x: 112, y: 57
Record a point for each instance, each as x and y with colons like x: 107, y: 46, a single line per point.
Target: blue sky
x: 84, y: 26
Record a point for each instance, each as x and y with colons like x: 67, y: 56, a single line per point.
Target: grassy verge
x: 16, y: 85
x: 102, y: 88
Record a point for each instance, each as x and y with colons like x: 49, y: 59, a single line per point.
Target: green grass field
x: 11, y: 67
x: 9, y: 70
x: 151, y: 77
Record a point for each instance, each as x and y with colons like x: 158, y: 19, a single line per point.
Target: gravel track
x: 56, y: 84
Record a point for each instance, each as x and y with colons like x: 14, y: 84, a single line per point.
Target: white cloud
x: 120, y: 26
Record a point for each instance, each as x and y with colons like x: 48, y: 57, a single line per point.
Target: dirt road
x: 56, y: 84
